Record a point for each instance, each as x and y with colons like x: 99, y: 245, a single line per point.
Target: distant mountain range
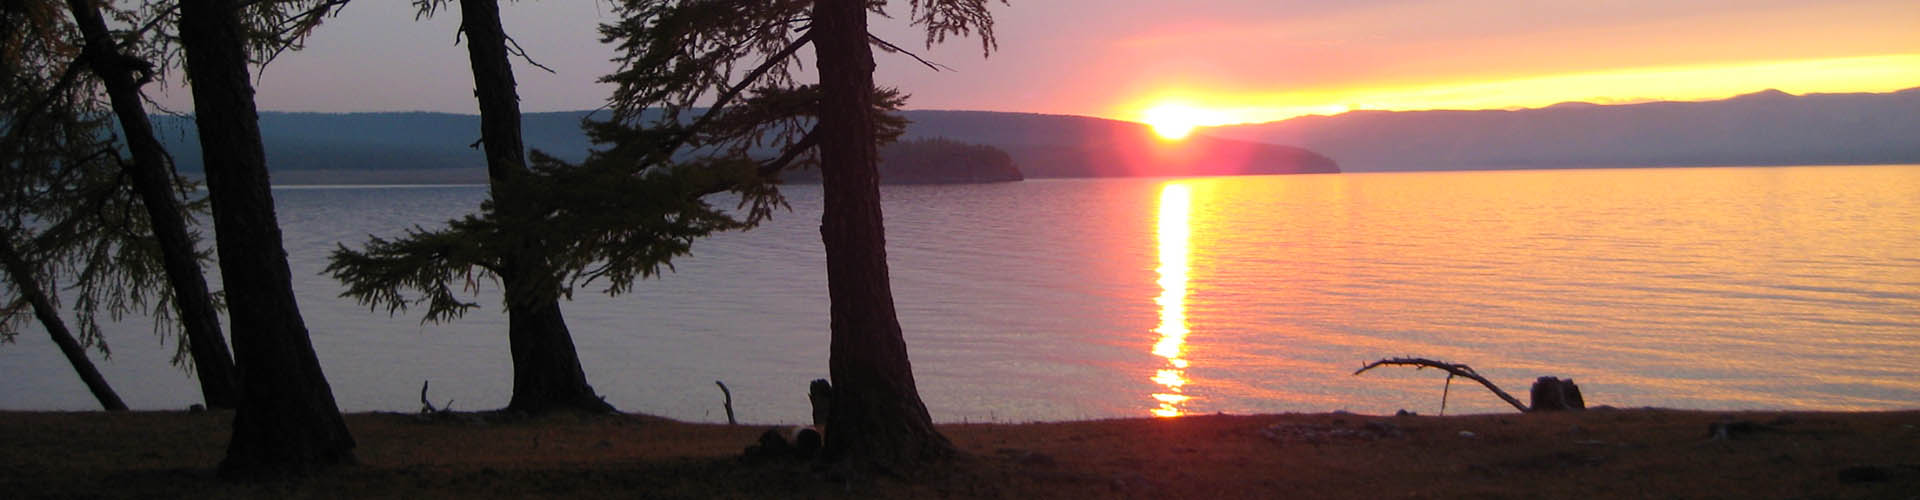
x: 416, y: 147
x: 1764, y: 128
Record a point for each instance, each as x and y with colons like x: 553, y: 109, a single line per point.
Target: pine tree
x: 151, y: 174
x: 677, y: 55
x: 51, y: 158
x: 548, y: 227
x: 79, y: 213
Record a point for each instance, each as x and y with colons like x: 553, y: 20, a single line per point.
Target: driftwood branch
x: 1452, y: 369
x: 426, y: 407
x: 728, y: 403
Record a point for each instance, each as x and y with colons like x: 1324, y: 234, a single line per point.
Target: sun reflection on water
x: 1175, y: 204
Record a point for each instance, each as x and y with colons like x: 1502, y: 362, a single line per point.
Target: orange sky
x: 1233, y: 60
x: 1261, y: 60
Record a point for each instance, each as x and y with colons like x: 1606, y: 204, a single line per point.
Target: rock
x: 1553, y: 394
x: 196, y: 408
x: 773, y: 444
x: 1468, y: 434
x: 1404, y: 413
x: 806, y: 443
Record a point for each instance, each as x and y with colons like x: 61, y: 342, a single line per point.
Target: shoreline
x: 1599, y: 453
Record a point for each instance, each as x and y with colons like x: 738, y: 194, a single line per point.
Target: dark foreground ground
x: 1593, y: 454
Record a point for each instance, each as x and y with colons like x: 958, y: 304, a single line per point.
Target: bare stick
x: 729, y: 402
x: 425, y: 406
x: 1454, y: 369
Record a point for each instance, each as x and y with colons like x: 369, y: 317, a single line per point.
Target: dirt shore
x: 1643, y: 453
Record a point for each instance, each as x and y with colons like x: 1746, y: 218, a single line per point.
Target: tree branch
x: 890, y: 47
x: 792, y: 153
x: 729, y: 402
x: 513, y: 47
x: 720, y: 103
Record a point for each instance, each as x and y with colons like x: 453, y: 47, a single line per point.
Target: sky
x: 1212, y: 62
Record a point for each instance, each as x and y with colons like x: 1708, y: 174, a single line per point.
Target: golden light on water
x: 1174, y: 233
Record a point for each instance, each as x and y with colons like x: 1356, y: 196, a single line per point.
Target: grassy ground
x: 1593, y: 454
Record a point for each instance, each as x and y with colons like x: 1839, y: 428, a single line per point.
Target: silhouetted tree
x: 546, y: 228
x: 877, y: 418
x: 287, y: 419
x: 677, y: 55
x: 74, y: 218
x: 546, y: 366
x: 48, y: 146
x: 151, y: 174
x: 27, y: 284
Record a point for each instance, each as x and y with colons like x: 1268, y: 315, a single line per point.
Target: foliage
x: 599, y: 223
x: 64, y: 201
x: 705, y: 101
x: 270, y: 28
x: 943, y: 18
x: 630, y: 207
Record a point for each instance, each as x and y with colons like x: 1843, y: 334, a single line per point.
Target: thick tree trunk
x: 546, y: 368
x: 151, y: 177
x: 27, y: 282
x: 287, y: 419
x: 877, y: 418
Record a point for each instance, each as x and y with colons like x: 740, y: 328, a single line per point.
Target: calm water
x: 1720, y: 288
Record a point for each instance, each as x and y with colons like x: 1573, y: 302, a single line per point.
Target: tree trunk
x: 546, y: 368
x: 287, y: 420
x: 152, y: 179
x: 877, y: 418
x: 27, y: 282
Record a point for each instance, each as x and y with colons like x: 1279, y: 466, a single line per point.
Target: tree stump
x: 1553, y: 394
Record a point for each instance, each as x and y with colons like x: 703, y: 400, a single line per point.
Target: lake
x: 1705, y: 288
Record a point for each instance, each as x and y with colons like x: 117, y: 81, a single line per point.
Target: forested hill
x: 417, y: 147
x: 933, y: 161
x: 404, y: 147
x: 1765, y: 128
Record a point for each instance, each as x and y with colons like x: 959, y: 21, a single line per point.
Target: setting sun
x: 1176, y: 121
